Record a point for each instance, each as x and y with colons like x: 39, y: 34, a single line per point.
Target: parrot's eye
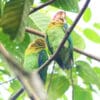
x: 40, y: 43
x: 61, y: 19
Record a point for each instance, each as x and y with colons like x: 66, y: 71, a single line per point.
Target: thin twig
x: 66, y: 36
x: 72, y: 82
x: 51, y: 76
x: 41, y: 6
x: 5, y: 82
x: 14, y: 97
x: 87, y: 54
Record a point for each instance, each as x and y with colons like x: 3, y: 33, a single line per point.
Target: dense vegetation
x: 16, y: 19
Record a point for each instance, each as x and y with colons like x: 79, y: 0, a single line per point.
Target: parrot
x: 35, y: 56
x: 54, y: 34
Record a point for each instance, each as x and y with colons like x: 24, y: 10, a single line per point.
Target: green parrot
x: 55, y: 32
x: 35, y: 56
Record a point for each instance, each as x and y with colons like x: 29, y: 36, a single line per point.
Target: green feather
x: 35, y: 56
x: 55, y: 33
x: 31, y: 62
x: 42, y: 58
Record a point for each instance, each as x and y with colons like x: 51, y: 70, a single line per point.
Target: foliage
x: 13, y: 21
x: 92, y: 35
x: 87, y: 15
x: 14, y: 24
x: 69, y: 5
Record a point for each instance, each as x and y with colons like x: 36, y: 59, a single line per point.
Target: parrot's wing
x: 54, y: 37
x: 65, y: 27
x: 41, y: 60
x: 69, y: 53
x: 65, y: 56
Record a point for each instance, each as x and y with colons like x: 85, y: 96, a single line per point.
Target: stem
x: 72, y: 82
x: 17, y: 94
x: 7, y: 81
x: 87, y: 54
x: 51, y: 76
x: 41, y: 6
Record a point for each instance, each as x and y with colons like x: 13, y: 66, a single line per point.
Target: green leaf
x: 15, y: 85
x: 78, y: 42
x: 68, y: 20
x: 82, y: 94
x: 64, y: 97
x: 97, y: 70
x: 40, y: 21
x: 58, y: 86
x: 1, y: 10
x: 14, y: 47
x: 23, y: 96
x: 92, y: 35
x: 3, y: 71
x: 14, y: 17
x: 68, y: 5
x: 87, y: 73
x: 1, y: 98
x: 96, y: 25
x: 87, y: 15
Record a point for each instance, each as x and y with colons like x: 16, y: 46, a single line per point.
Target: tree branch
x: 38, y: 33
x: 66, y: 36
x: 34, y: 31
x: 72, y: 82
x: 87, y: 54
x: 1, y: 83
x: 41, y: 6
x: 17, y: 94
x: 31, y: 81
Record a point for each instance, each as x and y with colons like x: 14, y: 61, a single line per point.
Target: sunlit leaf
x: 92, y: 35
x: 2, y: 71
x: 40, y: 21
x: 14, y: 18
x: 68, y: 5
x: 23, y: 95
x: 1, y: 78
x: 64, y: 97
x: 97, y: 70
x: 1, y: 7
x: 15, y: 48
x: 82, y: 94
x: 15, y: 85
x: 69, y: 21
x: 78, y: 42
x: 87, y: 15
x: 58, y: 86
x: 96, y: 25
x: 87, y: 73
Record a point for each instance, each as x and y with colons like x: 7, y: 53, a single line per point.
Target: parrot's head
x: 35, y: 47
x: 59, y: 19
x: 60, y: 16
